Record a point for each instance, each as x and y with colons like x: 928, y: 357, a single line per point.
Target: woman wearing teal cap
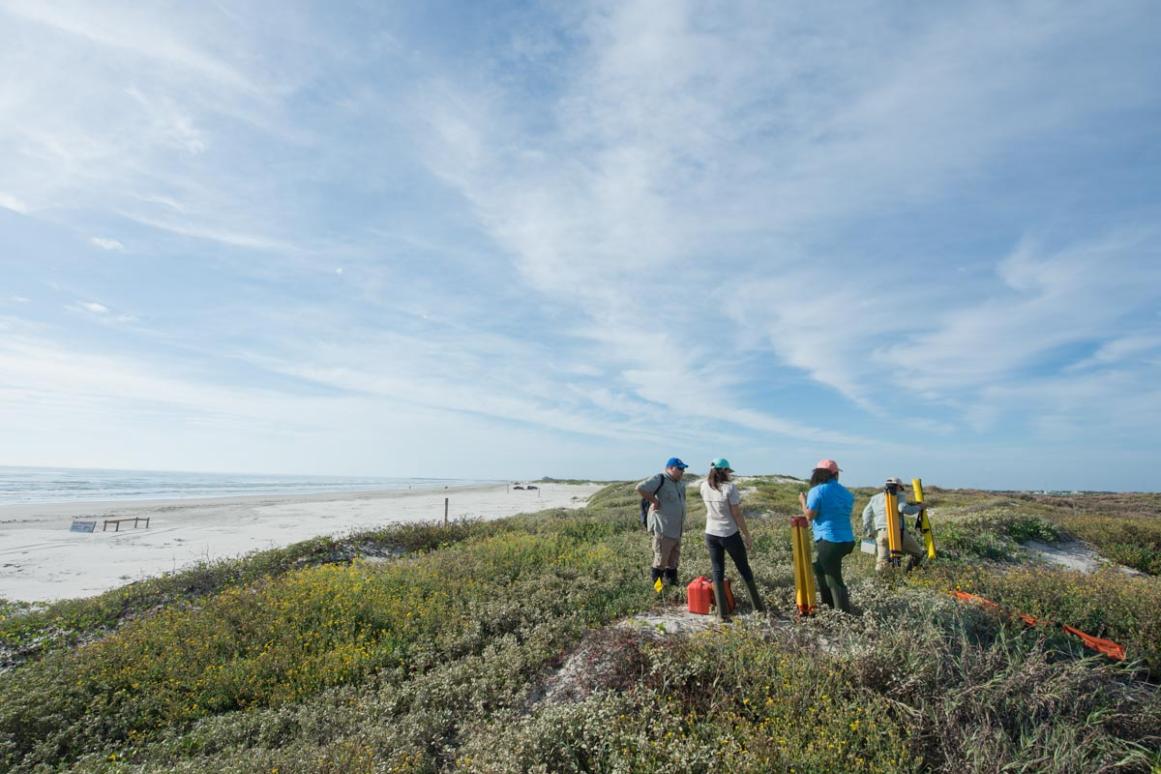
x: 726, y: 532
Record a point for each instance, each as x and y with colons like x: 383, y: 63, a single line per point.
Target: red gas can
x: 729, y: 595
x: 700, y: 594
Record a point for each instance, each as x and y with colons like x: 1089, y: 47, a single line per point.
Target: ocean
x: 51, y: 485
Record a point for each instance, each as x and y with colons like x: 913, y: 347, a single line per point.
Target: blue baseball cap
x: 675, y: 462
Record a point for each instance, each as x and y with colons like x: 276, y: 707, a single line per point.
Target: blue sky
x: 571, y: 239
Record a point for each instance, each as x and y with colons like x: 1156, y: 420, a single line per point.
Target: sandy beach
x: 40, y: 559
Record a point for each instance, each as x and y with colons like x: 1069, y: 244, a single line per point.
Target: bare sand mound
x: 1075, y: 555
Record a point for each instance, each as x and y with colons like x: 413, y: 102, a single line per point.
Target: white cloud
x: 10, y: 202
x: 1085, y: 293
x: 1121, y: 405
x: 608, y: 209
x: 172, y: 124
x: 687, y: 175
x: 1120, y: 349
x: 458, y: 371
x: 106, y: 244
x: 429, y: 425
x: 252, y: 241
x: 129, y: 28
x: 102, y: 313
x: 149, y: 113
x: 827, y: 329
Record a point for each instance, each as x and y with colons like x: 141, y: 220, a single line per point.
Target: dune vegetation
x: 501, y: 646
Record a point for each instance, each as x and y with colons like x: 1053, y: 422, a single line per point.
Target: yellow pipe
x: 924, y: 522
x: 894, y: 525
x: 804, y: 595
x: 808, y: 593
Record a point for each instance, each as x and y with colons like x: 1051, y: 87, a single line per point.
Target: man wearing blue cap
x: 666, y: 495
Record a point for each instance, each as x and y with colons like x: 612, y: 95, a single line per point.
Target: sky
x: 571, y: 239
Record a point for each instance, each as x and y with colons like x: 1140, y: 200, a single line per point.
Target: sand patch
x: 40, y: 559
x: 1074, y: 555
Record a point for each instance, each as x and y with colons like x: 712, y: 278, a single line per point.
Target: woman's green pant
x: 828, y: 572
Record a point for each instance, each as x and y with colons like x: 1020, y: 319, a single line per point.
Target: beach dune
x: 41, y: 560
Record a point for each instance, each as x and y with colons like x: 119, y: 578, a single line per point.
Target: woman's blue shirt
x: 832, y: 504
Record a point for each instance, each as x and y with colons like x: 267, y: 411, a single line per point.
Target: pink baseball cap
x: 828, y: 464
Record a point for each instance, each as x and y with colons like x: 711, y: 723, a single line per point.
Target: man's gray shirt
x: 875, y: 514
x: 670, y: 520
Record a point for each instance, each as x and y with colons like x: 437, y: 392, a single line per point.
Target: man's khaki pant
x: 666, y: 552
x: 911, y: 547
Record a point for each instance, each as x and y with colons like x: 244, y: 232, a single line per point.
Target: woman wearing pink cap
x: 828, y: 507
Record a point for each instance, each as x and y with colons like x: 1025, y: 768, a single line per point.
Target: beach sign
x: 83, y: 526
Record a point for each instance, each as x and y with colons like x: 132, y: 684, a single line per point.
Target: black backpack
x: 645, y: 505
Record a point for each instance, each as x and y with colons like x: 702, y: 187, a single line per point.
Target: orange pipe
x: 1109, y: 648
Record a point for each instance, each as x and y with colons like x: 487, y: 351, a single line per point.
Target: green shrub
x: 974, y: 541
x: 1024, y: 528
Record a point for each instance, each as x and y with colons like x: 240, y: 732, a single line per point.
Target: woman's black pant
x: 733, y: 545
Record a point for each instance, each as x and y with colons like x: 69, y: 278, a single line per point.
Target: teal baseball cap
x: 721, y: 463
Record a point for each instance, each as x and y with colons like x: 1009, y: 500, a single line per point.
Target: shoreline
x: 57, y: 507
x: 41, y: 560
